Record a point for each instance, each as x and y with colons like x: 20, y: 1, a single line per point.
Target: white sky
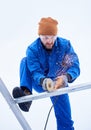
x: 18, y: 28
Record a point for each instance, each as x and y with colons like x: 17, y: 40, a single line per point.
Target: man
x: 50, y: 63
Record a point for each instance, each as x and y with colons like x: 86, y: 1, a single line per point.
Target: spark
x: 67, y: 62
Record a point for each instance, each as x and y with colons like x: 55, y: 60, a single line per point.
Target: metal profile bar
x: 61, y: 91
x: 13, y: 106
x: 12, y: 102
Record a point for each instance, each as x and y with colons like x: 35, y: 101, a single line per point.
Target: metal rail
x: 61, y: 91
x: 15, y: 109
x: 13, y: 102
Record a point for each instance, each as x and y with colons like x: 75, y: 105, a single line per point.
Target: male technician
x: 50, y: 63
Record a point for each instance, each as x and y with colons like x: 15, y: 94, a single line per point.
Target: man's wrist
x: 68, y: 77
x: 41, y: 81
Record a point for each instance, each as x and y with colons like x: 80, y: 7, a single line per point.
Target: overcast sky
x: 18, y: 28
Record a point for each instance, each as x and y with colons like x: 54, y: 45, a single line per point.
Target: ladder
x: 13, y: 102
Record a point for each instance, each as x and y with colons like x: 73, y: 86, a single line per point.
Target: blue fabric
x: 26, y: 78
x: 62, y: 112
x: 40, y: 63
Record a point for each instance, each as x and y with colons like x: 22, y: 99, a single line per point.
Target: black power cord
x: 49, y: 113
x: 48, y: 117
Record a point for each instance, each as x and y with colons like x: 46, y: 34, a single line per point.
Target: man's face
x: 48, y: 40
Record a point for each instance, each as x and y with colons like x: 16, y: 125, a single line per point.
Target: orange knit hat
x: 47, y: 26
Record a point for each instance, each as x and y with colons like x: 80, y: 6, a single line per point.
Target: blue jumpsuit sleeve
x: 34, y: 65
x: 74, y: 69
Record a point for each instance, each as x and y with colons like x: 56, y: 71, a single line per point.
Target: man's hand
x: 48, y: 84
x: 61, y: 81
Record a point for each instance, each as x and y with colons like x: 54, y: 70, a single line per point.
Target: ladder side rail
x: 4, y: 91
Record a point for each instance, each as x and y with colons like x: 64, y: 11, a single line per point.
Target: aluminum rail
x: 13, y: 102
x: 61, y: 91
x: 13, y: 106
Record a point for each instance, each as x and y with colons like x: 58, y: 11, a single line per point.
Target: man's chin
x: 48, y: 48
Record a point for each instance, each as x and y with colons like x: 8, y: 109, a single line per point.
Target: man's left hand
x: 61, y: 81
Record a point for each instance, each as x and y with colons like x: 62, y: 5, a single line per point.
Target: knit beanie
x: 47, y: 26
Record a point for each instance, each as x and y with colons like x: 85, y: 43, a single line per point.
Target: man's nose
x: 49, y: 40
